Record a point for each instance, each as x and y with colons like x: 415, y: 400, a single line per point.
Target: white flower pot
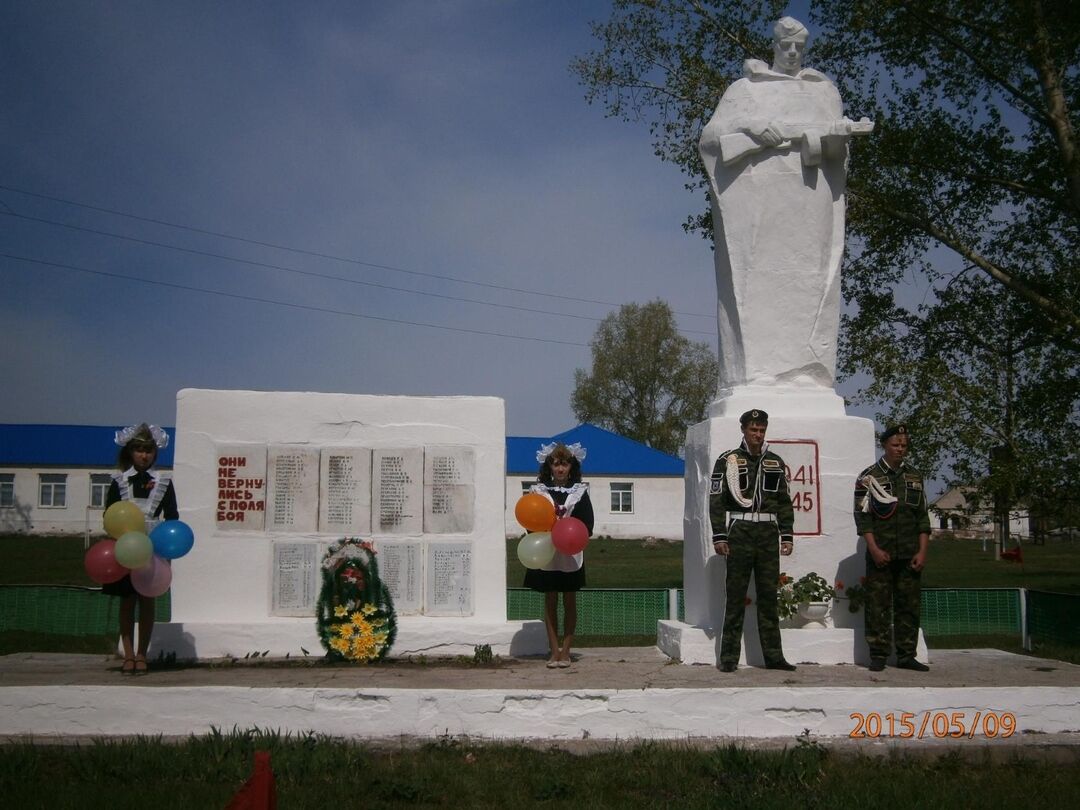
x: 814, y: 613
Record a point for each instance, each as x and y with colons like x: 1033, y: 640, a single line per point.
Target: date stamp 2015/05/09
x: 933, y: 724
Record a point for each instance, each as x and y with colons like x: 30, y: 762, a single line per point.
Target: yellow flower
x: 341, y: 611
x: 369, y: 609
x: 345, y: 630
x: 341, y: 645
x: 363, y: 647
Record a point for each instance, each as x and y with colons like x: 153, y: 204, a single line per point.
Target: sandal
x: 140, y: 667
x: 552, y: 663
x: 128, y: 667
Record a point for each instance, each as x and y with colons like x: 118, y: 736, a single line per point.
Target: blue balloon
x: 172, y: 539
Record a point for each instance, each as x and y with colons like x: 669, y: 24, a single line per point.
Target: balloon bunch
x: 129, y: 550
x: 547, y: 533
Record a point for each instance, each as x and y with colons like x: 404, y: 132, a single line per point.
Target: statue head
x: 789, y: 45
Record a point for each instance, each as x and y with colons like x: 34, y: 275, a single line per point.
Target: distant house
x: 952, y: 512
x: 54, y: 479
x: 636, y: 491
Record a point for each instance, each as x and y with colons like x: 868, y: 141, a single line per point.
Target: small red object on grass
x: 259, y: 791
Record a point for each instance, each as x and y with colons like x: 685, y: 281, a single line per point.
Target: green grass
x: 43, y: 560
x: 316, y: 772
x: 963, y: 564
x: 617, y: 564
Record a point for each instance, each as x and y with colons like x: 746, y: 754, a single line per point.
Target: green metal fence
x: 601, y: 611
x: 964, y: 611
x: 1050, y: 617
x: 65, y: 610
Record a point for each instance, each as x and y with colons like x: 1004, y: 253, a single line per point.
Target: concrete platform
x: 623, y: 693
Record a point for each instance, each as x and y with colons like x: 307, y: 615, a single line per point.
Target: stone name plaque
x: 296, y: 579
x: 449, y: 491
x: 448, y: 581
x: 401, y: 568
x: 241, y: 487
x: 345, y: 491
x: 397, y: 491
x: 292, y: 496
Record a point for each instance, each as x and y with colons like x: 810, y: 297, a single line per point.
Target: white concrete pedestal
x: 278, y: 637
x: 807, y: 427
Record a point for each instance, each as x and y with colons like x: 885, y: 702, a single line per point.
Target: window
x: 622, y: 497
x: 52, y: 490
x: 526, y: 486
x: 99, y: 489
x: 7, y: 489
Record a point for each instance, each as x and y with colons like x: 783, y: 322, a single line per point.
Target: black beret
x: 895, y: 430
x: 755, y: 415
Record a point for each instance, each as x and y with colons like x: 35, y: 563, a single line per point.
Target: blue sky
x: 441, y: 151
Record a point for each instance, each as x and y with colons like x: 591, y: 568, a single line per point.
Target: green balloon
x: 134, y: 550
x: 536, y: 550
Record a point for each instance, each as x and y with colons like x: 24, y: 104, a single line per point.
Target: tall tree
x: 647, y: 382
x: 970, y: 185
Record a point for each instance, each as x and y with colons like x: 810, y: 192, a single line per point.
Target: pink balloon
x: 154, y: 578
x: 100, y: 562
x: 569, y: 535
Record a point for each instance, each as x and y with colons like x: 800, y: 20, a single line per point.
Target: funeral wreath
x: 355, y: 614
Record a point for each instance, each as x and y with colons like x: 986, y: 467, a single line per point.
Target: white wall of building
x: 657, y: 506
x: 27, y: 514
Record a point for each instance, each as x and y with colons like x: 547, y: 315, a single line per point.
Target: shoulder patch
x: 716, y: 486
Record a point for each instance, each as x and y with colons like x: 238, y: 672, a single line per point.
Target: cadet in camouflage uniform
x: 891, y: 515
x: 750, y: 508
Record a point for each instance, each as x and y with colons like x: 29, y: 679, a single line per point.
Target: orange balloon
x: 535, y: 512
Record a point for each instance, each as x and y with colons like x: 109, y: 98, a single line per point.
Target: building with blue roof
x: 636, y: 491
x: 54, y: 478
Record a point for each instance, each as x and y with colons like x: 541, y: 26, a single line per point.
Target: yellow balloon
x: 123, y: 517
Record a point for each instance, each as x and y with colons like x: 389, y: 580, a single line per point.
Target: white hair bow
x: 576, y: 450
x: 161, y: 438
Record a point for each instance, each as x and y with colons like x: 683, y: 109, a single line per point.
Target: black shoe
x: 781, y: 664
x: 877, y: 664
x: 913, y: 665
x: 727, y: 666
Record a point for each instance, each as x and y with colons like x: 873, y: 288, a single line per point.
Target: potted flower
x: 855, y: 594
x: 808, y: 596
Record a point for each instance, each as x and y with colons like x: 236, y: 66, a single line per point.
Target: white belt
x: 754, y: 517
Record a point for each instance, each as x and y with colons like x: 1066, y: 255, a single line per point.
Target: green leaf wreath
x: 355, y: 614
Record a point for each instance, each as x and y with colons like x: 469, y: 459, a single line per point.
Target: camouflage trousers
x: 754, y: 550
x: 892, y: 608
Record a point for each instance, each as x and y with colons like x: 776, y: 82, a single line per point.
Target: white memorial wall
x: 268, y: 480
